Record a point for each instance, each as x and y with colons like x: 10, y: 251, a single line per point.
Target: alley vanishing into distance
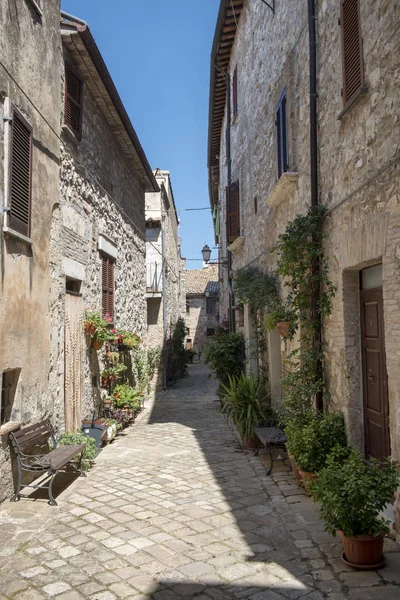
x: 174, y: 509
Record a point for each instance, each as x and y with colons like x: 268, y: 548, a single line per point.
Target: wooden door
x: 74, y: 357
x: 375, y: 390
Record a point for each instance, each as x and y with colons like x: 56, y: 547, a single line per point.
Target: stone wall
x: 26, y: 341
x: 198, y: 321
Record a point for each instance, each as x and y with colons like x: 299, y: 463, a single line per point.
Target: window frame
x: 67, y: 96
x: 348, y: 99
x: 281, y: 133
x: 11, y: 112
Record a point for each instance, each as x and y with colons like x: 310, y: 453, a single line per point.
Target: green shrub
x: 352, y: 493
x: 246, y: 402
x: 126, y: 395
x: 77, y: 437
x: 225, y: 355
x: 311, y: 441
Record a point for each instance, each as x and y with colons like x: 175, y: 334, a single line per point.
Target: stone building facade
x: 85, y: 213
x: 202, y: 306
x: 264, y: 57
x: 163, y: 251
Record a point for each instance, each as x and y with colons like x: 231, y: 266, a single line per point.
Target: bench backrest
x: 33, y: 435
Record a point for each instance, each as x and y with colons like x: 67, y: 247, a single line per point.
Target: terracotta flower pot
x: 90, y: 328
x: 295, y: 469
x: 363, y: 551
x: 97, y: 344
x: 283, y: 328
x: 104, y: 381
x: 250, y: 443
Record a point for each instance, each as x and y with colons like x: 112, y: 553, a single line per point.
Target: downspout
x: 314, y: 182
x: 164, y: 292
x: 232, y: 324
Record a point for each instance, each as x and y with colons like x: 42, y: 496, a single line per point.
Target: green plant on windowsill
x: 246, y: 402
x: 310, y: 441
x: 77, y: 437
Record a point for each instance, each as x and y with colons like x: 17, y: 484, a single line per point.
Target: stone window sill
x: 16, y: 234
x: 284, y: 188
x: 360, y: 93
x: 70, y: 134
x: 237, y: 244
x: 7, y: 428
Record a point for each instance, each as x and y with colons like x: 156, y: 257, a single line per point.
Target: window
x: 352, y: 51
x: 255, y: 205
x: 73, y: 101
x: 9, y: 383
x: 211, y: 305
x: 210, y: 332
x: 235, y: 92
x: 20, y: 189
x: 282, y: 150
x: 150, y: 224
x: 38, y: 6
x: 108, y: 286
x: 232, y: 212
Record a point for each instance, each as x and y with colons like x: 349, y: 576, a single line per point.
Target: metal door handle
x: 371, y: 377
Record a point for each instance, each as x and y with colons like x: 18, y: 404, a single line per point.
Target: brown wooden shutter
x: 235, y: 92
x: 232, y: 212
x: 73, y: 101
x: 108, y: 286
x: 20, y: 175
x: 352, y: 54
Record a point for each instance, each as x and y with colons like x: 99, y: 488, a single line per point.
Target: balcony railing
x: 154, y: 277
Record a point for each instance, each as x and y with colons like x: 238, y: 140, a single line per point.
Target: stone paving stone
x: 175, y: 509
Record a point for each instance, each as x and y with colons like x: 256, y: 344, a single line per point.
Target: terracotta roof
x: 198, y: 280
x: 224, y: 37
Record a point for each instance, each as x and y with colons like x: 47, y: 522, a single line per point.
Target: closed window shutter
x: 73, y: 101
x: 20, y: 175
x: 233, y: 212
x: 282, y: 152
x: 108, y: 286
x: 235, y: 92
x: 352, y: 56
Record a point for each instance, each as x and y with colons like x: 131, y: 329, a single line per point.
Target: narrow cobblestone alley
x: 173, y: 509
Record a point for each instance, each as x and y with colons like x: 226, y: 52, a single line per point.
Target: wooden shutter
x: 352, y: 55
x: 108, y: 286
x: 282, y: 150
x: 73, y: 101
x: 232, y: 212
x: 20, y: 175
x: 235, y: 92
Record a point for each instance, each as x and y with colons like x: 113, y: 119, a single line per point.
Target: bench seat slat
x: 59, y: 457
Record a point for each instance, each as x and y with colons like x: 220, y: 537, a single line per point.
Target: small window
x: 9, y: 383
x: 210, y: 332
x: 73, y: 286
x: 282, y: 150
x: 108, y: 286
x: 211, y: 305
x: 233, y: 212
x: 20, y: 193
x: 73, y: 101
x: 235, y: 92
x: 255, y: 205
x: 150, y: 224
x: 352, y: 49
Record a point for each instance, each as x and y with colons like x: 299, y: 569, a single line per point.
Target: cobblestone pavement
x: 175, y: 510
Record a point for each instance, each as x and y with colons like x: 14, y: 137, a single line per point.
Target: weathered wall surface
x: 100, y: 195
x: 25, y: 320
x: 198, y: 321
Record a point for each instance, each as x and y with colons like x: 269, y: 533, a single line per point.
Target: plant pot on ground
x: 311, y: 439
x: 352, y: 493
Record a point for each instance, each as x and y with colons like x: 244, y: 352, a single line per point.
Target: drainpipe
x: 232, y: 324
x: 314, y: 177
x: 164, y: 293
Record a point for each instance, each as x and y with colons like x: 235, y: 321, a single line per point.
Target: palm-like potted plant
x: 245, y: 401
x: 352, y: 493
x: 310, y: 441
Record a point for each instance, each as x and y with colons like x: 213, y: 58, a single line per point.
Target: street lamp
x: 206, y: 252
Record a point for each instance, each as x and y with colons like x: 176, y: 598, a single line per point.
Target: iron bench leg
x: 271, y: 459
x: 52, y: 502
x: 81, y: 471
x: 17, y: 495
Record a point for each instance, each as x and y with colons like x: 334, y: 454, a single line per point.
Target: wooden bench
x: 269, y: 436
x: 37, y: 436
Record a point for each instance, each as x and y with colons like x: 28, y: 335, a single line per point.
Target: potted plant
x: 101, y: 336
x: 225, y: 355
x: 352, y: 493
x: 280, y: 317
x: 127, y: 397
x: 93, y: 320
x: 311, y: 439
x: 245, y: 401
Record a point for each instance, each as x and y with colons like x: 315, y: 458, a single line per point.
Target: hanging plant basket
x: 90, y: 329
x: 283, y: 327
x: 97, y: 344
x: 104, y: 381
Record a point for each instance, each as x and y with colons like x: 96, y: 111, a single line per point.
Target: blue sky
x: 158, y: 54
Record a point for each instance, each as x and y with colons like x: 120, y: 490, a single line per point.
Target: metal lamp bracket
x: 271, y: 6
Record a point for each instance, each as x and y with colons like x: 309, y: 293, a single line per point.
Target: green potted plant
x: 310, y: 441
x: 245, y: 401
x: 127, y: 397
x: 225, y: 356
x: 101, y: 336
x: 77, y: 437
x: 93, y: 320
x: 280, y: 317
x: 352, y: 493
